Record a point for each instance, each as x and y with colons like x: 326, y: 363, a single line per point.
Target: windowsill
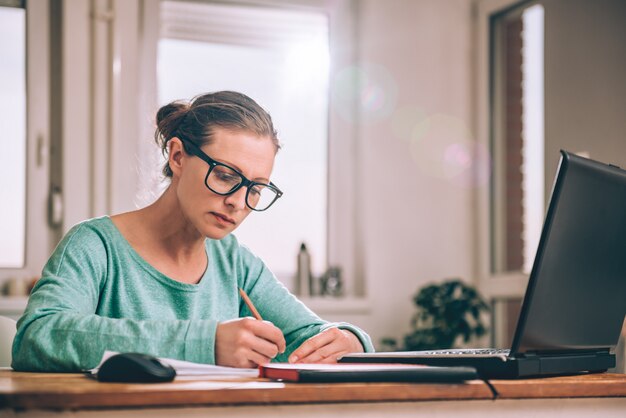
x: 337, y: 305
x: 12, y: 304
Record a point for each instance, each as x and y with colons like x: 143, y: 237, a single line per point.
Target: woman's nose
x: 238, y: 199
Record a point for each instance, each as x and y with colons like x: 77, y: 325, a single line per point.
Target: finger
x: 332, y: 359
x: 264, y: 347
x: 246, y: 358
x: 269, y: 332
x: 257, y: 359
x: 311, y: 345
x: 319, y: 354
x: 328, y: 353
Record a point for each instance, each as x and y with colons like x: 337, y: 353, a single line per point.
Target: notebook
x: 337, y: 373
x: 575, y: 302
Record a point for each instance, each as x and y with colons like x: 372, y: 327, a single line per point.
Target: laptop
x: 575, y: 302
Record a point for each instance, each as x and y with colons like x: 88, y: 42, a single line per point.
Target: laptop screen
x: 576, y: 296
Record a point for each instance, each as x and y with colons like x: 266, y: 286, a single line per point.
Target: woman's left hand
x: 327, y: 347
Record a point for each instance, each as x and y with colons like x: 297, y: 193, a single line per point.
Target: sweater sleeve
x: 60, y: 330
x: 276, y: 304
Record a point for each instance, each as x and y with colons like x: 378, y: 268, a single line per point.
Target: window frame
x: 39, y: 240
x: 510, y: 284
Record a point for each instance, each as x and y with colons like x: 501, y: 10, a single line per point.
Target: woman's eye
x: 227, y: 177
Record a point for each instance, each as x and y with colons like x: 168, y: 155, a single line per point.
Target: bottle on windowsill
x: 303, y: 275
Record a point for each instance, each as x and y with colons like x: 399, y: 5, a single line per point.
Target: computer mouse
x: 135, y: 368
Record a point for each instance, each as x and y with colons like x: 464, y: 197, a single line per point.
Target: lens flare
x: 369, y: 87
x: 407, y: 122
x: 443, y: 147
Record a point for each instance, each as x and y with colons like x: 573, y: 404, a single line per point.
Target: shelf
x: 337, y: 305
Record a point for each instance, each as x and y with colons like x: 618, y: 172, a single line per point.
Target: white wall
x: 585, y: 91
x: 415, y: 215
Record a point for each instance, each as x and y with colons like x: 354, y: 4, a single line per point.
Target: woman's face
x: 216, y: 216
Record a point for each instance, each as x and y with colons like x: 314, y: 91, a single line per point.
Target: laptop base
x: 499, y: 367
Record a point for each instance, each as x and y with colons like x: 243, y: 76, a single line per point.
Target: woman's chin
x: 216, y: 233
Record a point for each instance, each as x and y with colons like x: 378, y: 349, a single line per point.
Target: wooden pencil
x: 250, y: 305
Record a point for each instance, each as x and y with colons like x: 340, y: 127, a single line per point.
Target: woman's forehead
x: 245, y: 151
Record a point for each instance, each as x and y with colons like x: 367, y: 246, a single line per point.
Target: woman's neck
x: 161, y: 228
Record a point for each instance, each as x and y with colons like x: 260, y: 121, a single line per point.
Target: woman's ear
x: 176, y: 154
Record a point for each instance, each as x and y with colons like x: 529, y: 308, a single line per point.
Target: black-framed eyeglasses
x: 223, y: 180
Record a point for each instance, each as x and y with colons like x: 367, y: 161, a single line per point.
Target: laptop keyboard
x: 468, y: 352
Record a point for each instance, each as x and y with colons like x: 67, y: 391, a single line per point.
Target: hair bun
x: 168, y: 119
x: 170, y: 111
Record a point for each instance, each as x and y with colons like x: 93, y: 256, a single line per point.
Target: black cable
x: 492, y: 388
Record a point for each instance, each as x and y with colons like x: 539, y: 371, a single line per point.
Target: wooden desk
x: 34, y: 394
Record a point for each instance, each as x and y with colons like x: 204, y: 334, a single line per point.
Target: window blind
x: 13, y: 3
x: 253, y: 26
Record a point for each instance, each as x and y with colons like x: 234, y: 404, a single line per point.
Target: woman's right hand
x: 247, y: 342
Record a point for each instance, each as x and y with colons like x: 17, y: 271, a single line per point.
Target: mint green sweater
x: 96, y: 293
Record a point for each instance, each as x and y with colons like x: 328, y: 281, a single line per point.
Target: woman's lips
x: 223, y: 218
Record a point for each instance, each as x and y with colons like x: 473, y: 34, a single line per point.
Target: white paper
x: 187, y: 368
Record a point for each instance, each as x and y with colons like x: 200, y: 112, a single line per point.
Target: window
x: 279, y: 57
x: 26, y: 240
x: 13, y: 122
x: 517, y: 141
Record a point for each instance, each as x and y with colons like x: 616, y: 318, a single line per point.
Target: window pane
x: 533, y: 131
x: 288, y: 76
x: 13, y: 123
x: 504, y: 320
x: 518, y: 140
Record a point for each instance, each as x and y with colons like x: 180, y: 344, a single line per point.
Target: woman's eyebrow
x: 228, y: 163
x: 239, y: 170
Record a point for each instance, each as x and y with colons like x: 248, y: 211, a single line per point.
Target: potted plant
x: 445, y: 312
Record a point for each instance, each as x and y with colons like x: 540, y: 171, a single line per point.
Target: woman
x: 164, y: 279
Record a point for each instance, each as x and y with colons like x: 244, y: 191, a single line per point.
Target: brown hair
x: 196, y: 120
